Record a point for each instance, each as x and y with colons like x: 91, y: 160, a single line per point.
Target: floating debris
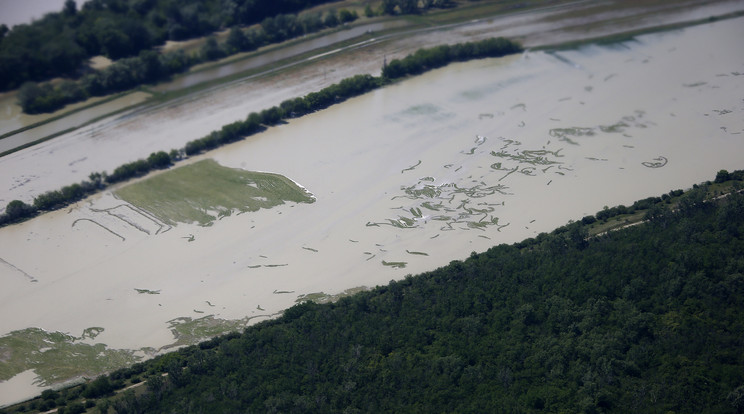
x: 411, y: 167
x: 147, y: 291
x: 417, y: 253
x: 657, y: 162
x: 395, y: 265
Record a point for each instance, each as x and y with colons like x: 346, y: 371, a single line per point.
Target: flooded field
x: 14, y: 119
x: 276, y: 55
x: 404, y: 179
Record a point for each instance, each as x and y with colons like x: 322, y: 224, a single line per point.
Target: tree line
x: 393, y: 7
x: 150, y: 66
x: 645, y: 319
x: 254, y: 123
x: 59, y: 44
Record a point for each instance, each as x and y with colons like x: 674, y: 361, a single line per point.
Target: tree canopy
x: 59, y: 44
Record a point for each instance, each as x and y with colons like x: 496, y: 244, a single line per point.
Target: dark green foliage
x: 411, y: 6
x: 427, y: 59
x: 150, y: 66
x: 647, y: 319
x: 331, y: 19
x: 722, y: 176
x: 239, y: 41
x: 271, y: 116
x: 49, y: 201
x: 346, y: 16
x: 75, y: 408
x: 159, y: 160
x: 128, y: 170
x: 61, y: 43
x: 17, y: 210
x: 211, y: 50
x: 34, y: 98
x: 368, y: 12
x: 128, y: 40
x: 47, y: 395
x: 99, y: 387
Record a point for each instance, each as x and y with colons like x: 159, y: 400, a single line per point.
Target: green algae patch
x: 204, y: 191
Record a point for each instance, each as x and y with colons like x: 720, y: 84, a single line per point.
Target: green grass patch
x: 616, y: 222
x: 189, y: 331
x: 322, y: 297
x: 56, y: 356
x: 204, y: 191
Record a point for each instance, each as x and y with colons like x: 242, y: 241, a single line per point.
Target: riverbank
x: 415, y: 174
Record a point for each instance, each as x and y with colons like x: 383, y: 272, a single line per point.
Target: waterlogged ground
x: 203, y: 192
x: 405, y: 179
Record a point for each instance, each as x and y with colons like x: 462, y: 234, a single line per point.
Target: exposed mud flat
x: 405, y: 178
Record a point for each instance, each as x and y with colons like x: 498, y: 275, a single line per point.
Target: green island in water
x: 205, y: 191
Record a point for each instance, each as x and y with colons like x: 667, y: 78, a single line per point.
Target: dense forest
x: 649, y: 318
x: 419, y: 62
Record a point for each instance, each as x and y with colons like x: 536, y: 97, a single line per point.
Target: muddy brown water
x: 415, y: 174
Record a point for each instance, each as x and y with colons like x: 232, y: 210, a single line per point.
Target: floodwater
x: 14, y: 12
x: 14, y: 119
x: 279, y: 54
x: 406, y: 179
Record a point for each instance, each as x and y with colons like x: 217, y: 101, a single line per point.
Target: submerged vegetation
x: 55, y: 356
x: 416, y: 63
x: 643, y: 319
x: 205, y: 190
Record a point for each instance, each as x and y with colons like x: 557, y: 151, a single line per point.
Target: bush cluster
x: 427, y: 59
